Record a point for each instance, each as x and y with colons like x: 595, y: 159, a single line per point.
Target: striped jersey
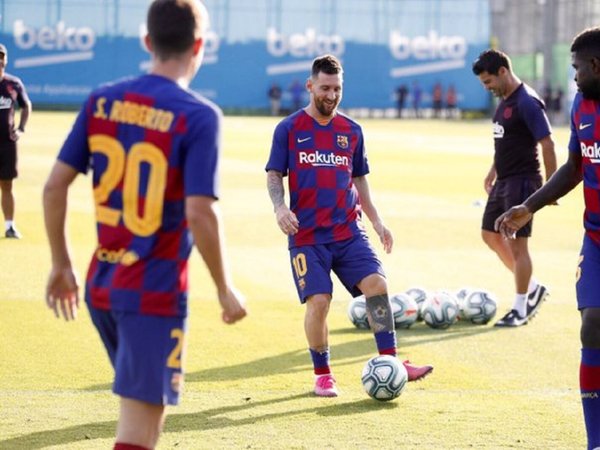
x: 149, y: 144
x: 320, y: 162
x: 585, y: 138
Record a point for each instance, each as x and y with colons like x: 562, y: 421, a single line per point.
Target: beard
x: 590, y: 91
x: 326, y: 108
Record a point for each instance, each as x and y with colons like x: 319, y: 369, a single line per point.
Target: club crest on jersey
x: 342, y: 141
x: 507, y: 112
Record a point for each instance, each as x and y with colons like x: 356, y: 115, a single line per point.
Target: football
x: 419, y: 295
x: 384, y: 377
x: 440, y: 310
x: 478, y: 306
x: 405, y: 310
x: 357, y: 312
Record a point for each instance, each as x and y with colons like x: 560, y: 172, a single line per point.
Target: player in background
x: 583, y: 163
x: 520, y: 124
x: 323, y: 154
x: 153, y: 147
x: 12, y: 93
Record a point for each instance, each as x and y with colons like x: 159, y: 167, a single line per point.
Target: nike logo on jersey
x: 300, y: 141
x: 583, y: 126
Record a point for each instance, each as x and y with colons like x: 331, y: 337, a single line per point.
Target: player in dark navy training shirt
x: 583, y: 164
x: 12, y: 94
x: 323, y: 154
x: 520, y: 124
x: 153, y: 148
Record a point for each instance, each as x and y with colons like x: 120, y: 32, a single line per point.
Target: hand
x: 15, y: 135
x: 385, y: 236
x: 512, y: 220
x: 62, y: 293
x: 287, y: 220
x: 488, y: 184
x: 233, y: 304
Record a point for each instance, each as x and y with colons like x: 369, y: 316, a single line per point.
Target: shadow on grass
x: 210, y: 419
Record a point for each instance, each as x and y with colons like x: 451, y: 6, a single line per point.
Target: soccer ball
x: 384, y: 377
x: 440, y: 310
x: 419, y: 295
x: 405, y: 310
x: 357, y: 312
x: 478, y: 306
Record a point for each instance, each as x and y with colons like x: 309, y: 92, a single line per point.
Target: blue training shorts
x: 351, y: 260
x: 146, y: 353
x: 588, y: 275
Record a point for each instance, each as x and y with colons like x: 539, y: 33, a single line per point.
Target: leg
x: 317, y: 335
x: 498, y: 244
x: 523, y: 267
x: 315, y: 321
x: 589, y: 374
x: 140, y: 423
x: 8, y: 199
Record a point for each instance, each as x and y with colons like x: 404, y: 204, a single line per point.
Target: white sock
x: 520, y: 304
x: 533, y: 284
x: 8, y: 224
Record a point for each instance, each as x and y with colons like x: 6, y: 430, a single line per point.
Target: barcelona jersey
x: 520, y: 122
x: 149, y: 144
x: 320, y: 162
x: 585, y: 139
x: 12, y: 93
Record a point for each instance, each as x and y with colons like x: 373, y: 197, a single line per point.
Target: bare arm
x: 286, y: 219
x: 549, y: 156
x: 23, y: 118
x: 385, y: 235
x: 562, y: 182
x: 62, y: 288
x: 204, y: 221
x: 490, y: 179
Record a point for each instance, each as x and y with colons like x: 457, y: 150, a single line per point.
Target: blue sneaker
x: 12, y: 233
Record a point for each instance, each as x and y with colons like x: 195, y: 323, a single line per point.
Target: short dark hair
x: 490, y: 61
x: 174, y: 25
x: 328, y: 64
x: 588, y: 41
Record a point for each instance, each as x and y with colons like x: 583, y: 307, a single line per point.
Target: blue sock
x: 320, y: 361
x: 386, y: 342
x: 589, y: 382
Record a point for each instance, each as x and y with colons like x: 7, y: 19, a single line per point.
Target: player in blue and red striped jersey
x: 520, y: 124
x: 153, y: 148
x: 12, y: 94
x: 323, y: 154
x: 583, y: 163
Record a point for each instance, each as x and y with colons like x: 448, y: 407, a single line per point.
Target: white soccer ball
x: 440, y: 310
x: 478, y: 306
x: 419, y: 295
x: 384, y: 377
x: 405, y: 310
x: 357, y: 312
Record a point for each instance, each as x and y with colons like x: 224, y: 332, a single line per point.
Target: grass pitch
x: 249, y: 385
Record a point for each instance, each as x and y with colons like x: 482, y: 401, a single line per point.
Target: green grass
x: 249, y: 385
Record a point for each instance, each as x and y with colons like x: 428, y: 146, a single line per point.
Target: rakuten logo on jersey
x: 76, y: 44
x: 591, y: 151
x: 498, y: 131
x: 318, y: 158
x: 434, y: 53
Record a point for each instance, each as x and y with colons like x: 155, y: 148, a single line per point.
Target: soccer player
x: 153, y: 147
x: 323, y: 154
x: 12, y: 93
x: 520, y: 124
x: 582, y: 164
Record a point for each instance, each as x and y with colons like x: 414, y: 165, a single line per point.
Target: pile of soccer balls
x: 439, y: 309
